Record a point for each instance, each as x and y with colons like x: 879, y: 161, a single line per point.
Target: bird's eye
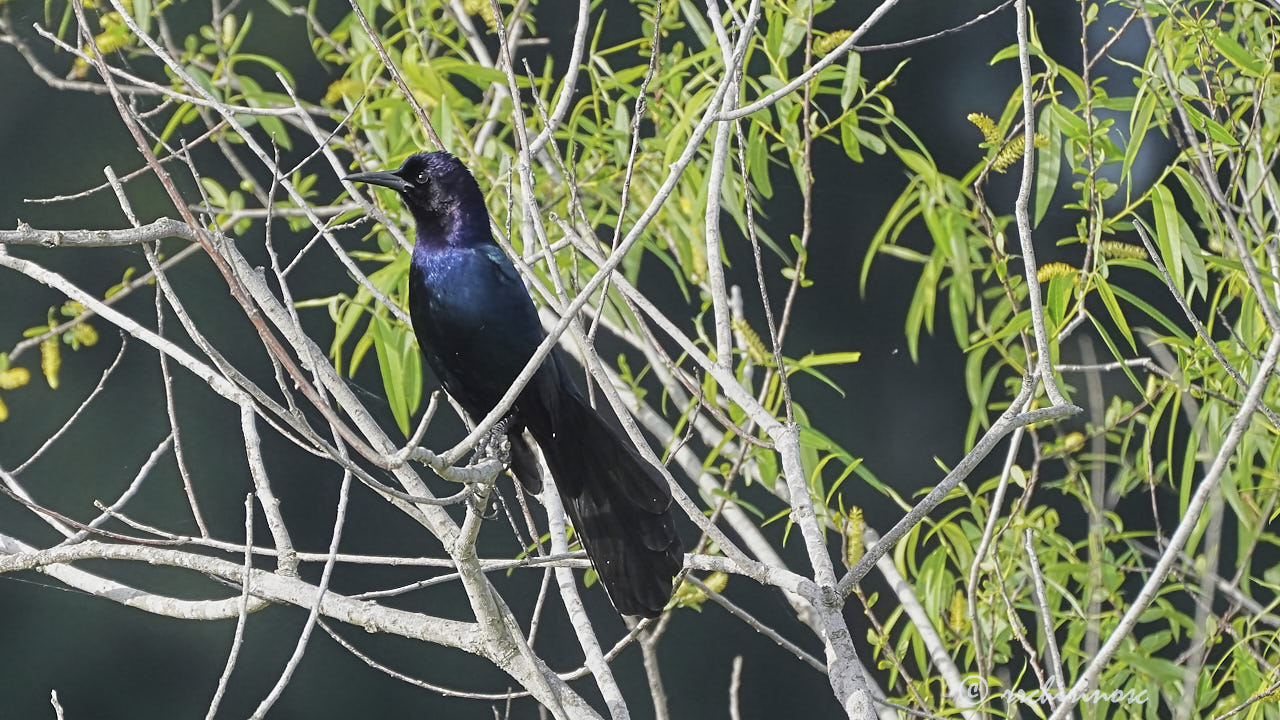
x: 423, y: 178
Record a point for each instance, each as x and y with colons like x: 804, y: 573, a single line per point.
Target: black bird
x: 477, y: 328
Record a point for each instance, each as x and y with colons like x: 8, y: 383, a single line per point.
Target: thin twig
x: 1201, y: 331
x: 102, y: 383
x: 578, y: 618
x: 876, y: 15
x: 1042, y: 610
x: 1044, y: 363
x: 287, y: 674
x: 756, y: 625
x: 237, y: 639
x: 735, y: 683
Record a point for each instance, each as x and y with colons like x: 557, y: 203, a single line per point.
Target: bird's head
x: 435, y: 186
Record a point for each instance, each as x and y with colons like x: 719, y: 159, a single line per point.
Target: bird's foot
x: 479, y: 498
x: 483, y: 500
x: 493, y: 509
x: 492, y: 445
x: 495, y: 443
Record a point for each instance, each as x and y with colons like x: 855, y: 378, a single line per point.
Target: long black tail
x: 619, y: 506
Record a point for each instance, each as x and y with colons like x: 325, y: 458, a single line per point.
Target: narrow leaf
x: 1168, y: 234
x: 1048, y: 163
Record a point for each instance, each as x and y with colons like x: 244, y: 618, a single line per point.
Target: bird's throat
x: 456, y: 226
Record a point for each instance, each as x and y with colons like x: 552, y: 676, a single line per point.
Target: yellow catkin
x: 83, y: 334
x: 51, y: 360
x: 1008, y: 155
x: 108, y: 41
x: 854, y: 526
x: 1049, y: 271
x: 827, y: 43
x: 691, y: 596
x: 113, y: 39
x: 986, y: 126
x: 1117, y: 249
x: 957, y: 617
x: 4, y: 411
x: 756, y: 349
x: 1010, y: 152
x: 717, y: 581
x: 1073, y: 441
x: 483, y: 8
x: 344, y: 88
x: 14, y: 378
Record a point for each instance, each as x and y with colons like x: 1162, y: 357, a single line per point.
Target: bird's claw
x: 493, y: 512
x: 480, y: 500
x: 494, y: 444
x: 477, y: 499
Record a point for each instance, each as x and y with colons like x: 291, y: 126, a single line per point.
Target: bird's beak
x: 382, y: 177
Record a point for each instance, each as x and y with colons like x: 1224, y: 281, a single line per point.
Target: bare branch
x: 158, y: 230
x: 301, y: 646
x: 756, y: 625
x: 238, y: 639
x: 11, y: 548
x: 1044, y: 364
x: 577, y: 613
x: 286, y: 557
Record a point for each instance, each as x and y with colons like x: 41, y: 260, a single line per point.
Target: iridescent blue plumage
x: 477, y: 328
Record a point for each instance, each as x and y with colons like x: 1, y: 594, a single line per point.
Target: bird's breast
x: 473, y: 318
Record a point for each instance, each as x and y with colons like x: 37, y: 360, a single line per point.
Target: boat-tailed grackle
x: 478, y: 328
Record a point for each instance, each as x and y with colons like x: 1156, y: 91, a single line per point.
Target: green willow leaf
x: 1237, y: 54
x: 1168, y: 234
x: 852, y: 80
x: 1048, y: 166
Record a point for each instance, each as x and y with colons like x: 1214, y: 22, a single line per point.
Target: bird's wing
x: 503, y: 267
x: 542, y: 393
